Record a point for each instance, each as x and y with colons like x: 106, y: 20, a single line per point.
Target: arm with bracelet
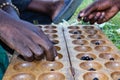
x: 7, y: 6
x: 25, y: 38
x: 22, y: 36
x: 3, y: 53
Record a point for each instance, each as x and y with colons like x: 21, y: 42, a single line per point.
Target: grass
x: 109, y: 28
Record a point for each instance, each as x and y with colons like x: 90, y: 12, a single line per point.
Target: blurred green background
x: 111, y: 28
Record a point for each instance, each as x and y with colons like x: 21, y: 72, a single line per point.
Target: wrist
x: 6, y: 17
x: 9, y: 6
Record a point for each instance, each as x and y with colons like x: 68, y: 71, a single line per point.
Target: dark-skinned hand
x: 100, y: 11
x: 25, y: 38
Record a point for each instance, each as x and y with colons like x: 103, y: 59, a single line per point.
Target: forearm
x: 5, y: 19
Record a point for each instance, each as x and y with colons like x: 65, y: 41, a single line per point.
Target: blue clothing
x: 21, y: 4
x: 67, y: 11
x: 31, y: 16
x: 3, y: 62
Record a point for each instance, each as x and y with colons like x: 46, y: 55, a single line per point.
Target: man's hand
x: 25, y: 38
x: 100, y: 11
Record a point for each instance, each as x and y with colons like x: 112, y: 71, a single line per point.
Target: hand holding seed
x: 100, y: 11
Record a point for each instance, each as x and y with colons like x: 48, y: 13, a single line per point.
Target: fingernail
x: 56, y: 58
x: 79, y: 17
x: 96, y: 18
x: 81, y: 14
x: 102, y: 15
x: 85, y: 19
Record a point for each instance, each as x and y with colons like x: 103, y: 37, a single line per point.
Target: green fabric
x: 3, y: 62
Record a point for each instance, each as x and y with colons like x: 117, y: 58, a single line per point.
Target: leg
x: 50, y: 7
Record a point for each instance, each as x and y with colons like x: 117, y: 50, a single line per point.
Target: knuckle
x: 49, y: 47
x: 28, y: 55
x: 29, y: 58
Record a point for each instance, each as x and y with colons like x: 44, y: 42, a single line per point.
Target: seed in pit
x: 92, y: 69
x: 81, y: 44
x: 52, y: 70
x: 75, y: 32
x: 112, y: 59
x: 91, y: 59
x: 83, y: 58
x: 97, y: 43
x: 87, y: 58
x: 95, y: 79
x: 53, y: 42
x: 78, y: 37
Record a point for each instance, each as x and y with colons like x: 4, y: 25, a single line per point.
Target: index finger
x: 51, y: 53
x: 85, y: 12
x: 47, y: 45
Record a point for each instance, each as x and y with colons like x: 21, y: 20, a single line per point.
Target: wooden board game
x: 84, y: 53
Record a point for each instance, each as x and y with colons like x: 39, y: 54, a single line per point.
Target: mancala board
x: 84, y: 53
x: 93, y: 55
